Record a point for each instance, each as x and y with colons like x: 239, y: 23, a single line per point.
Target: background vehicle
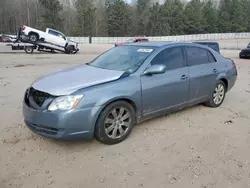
x: 27, y: 43
x: 133, y: 40
x: 6, y: 39
x: 51, y: 36
x: 128, y: 84
x: 214, y: 45
x: 245, y: 53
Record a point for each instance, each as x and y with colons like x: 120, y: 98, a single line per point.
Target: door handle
x: 215, y: 70
x: 184, y: 77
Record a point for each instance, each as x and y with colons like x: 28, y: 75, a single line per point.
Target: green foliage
x: 155, y: 21
x: 173, y: 11
x: 119, y: 18
x: 238, y: 16
x: 210, y: 18
x: 194, y: 18
x: 142, y: 17
x: 85, y: 16
x: 51, y: 16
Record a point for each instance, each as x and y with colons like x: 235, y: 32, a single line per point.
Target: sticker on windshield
x: 145, y: 50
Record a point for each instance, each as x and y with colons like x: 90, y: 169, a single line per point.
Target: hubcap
x: 33, y: 38
x: 117, y: 123
x: 219, y: 93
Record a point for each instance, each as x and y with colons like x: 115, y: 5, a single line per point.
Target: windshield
x: 123, y: 58
x: 248, y: 45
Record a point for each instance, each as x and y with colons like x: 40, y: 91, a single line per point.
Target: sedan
x: 108, y: 96
x: 245, y: 53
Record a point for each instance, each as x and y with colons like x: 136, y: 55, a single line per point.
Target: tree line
x: 118, y: 18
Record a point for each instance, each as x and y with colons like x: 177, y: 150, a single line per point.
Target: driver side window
x: 172, y: 58
x: 57, y: 34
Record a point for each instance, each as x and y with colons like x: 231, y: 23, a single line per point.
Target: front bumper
x: 245, y: 54
x: 77, y: 124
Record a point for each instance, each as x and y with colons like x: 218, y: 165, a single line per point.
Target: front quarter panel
x: 101, y: 95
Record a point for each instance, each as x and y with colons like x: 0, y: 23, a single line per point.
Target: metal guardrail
x: 196, y: 37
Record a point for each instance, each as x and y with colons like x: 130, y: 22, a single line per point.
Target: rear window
x: 197, y: 56
x: 214, y: 46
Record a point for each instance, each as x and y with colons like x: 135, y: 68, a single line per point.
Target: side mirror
x: 155, y: 69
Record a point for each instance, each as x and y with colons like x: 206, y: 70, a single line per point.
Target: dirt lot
x: 198, y: 147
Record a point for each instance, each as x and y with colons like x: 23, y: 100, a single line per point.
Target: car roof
x: 159, y: 44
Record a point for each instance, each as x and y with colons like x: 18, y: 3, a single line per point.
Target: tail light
x: 234, y: 66
x: 23, y: 28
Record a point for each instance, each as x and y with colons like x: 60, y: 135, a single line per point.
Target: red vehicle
x: 133, y: 40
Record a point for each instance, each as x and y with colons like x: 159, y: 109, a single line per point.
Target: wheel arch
x: 33, y: 32
x: 225, y: 82
x: 223, y: 77
x: 126, y: 99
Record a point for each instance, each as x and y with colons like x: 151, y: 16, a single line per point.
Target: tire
x: 33, y: 37
x: 114, y: 124
x: 70, y: 49
x: 29, y: 49
x: 221, y: 88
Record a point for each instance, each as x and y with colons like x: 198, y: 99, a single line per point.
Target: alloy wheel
x: 219, y: 94
x: 117, y: 122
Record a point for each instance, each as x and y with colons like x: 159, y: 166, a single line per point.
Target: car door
x: 55, y: 37
x: 202, y: 72
x: 163, y: 92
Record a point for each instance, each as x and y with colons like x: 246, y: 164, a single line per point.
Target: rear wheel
x: 115, y: 123
x: 33, y: 37
x: 29, y: 49
x: 218, y: 95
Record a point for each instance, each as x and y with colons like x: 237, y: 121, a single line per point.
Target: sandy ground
x: 198, y: 147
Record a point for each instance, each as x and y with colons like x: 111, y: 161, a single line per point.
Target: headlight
x: 65, y: 102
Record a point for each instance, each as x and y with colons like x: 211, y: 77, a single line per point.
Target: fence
x: 196, y: 37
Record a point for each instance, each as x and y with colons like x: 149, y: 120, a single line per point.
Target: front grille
x: 39, y: 97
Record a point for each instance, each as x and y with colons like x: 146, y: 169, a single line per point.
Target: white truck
x: 51, y: 36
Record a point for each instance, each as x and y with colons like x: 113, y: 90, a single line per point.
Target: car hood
x: 67, y: 81
x: 246, y: 49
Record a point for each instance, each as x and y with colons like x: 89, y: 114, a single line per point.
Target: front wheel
x: 69, y: 49
x: 218, y: 95
x: 115, y: 123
